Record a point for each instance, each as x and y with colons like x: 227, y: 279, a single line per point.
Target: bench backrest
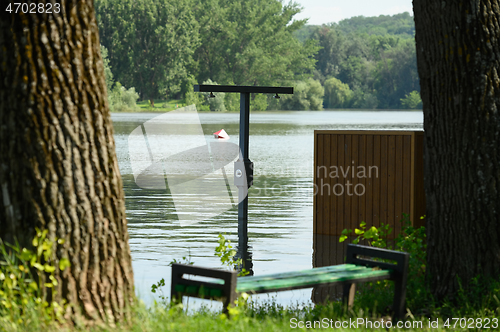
x: 356, y: 253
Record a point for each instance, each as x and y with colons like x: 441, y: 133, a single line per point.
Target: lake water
x: 280, y: 201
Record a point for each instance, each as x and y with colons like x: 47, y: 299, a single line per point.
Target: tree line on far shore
x: 159, y: 49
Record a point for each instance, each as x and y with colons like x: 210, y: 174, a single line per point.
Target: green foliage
x: 399, y: 24
x: 259, y: 103
x: 251, y: 42
x: 307, y: 95
x: 28, y: 282
x: 192, y: 97
x: 333, y: 45
x: 215, y: 102
x: 396, y: 73
x: 315, y: 94
x: 161, y: 47
x: 374, y: 56
x: 411, y: 240
x: 122, y: 100
x: 412, y: 100
x: 157, y: 288
x: 337, y: 94
x: 119, y: 98
x: 376, y: 236
x: 232, y: 102
x: 160, y: 105
x: 364, y: 100
x: 150, y: 42
x: 356, y: 71
x: 304, y: 32
x: 226, y: 253
x: 107, y: 69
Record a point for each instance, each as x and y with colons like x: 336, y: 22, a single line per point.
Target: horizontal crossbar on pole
x: 243, y: 89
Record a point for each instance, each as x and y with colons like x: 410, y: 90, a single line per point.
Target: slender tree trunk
x: 58, y: 167
x: 458, y: 55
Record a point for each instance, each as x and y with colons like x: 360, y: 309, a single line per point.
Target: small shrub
x: 411, y: 240
x: 28, y: 283
x: 337, y: 94
x: 122, y: 100
x: 412, y: 101
x: 227, y: 254
x: 307, y: 95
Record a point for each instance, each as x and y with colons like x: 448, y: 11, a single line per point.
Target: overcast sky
x: 328, y: 11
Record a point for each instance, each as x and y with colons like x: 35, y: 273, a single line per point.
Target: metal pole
x: 243, y: 165
x: 243, y: 252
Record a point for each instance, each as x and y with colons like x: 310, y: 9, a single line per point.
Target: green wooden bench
x: 360, y: 267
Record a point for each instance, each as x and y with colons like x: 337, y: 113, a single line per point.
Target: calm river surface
x: 280, y: 202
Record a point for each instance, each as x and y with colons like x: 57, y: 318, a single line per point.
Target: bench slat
x: 309, y: 272
x: 295, y: 279
x: 300, y: 281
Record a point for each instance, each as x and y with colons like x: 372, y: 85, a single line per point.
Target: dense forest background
x: 157, y: 49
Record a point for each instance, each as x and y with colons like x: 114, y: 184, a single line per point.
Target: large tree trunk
x: 58, y: 167
x: 458, y: 55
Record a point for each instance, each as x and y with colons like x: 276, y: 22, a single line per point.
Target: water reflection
x: 327, y: 250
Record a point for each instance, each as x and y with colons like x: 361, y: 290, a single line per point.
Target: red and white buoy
x: 221, y: 134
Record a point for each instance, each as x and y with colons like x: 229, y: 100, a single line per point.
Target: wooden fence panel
x: 371, y: 176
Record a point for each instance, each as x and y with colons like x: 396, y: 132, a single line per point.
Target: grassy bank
x: 273, y: 317
x: 160, y: 105
x: 23, y: 308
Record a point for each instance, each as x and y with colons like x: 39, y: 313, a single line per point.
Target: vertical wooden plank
x: 360, y: 190
x: 340, y: 182
x: 406, y: 174
x: 369, y: 180
x: 391, y: 180
x: 412, y: 179
x: 315, y: 181
x: 384, y: 151
x: 398, y: 199
x: 332, y: 181
x: 340, y: 257
x: 327, y: 183
x: 352, y: 178
x: 337, y: 257
x: 319, y: 179
x: 325, y: 256
x: 325, y: 252
x: 315, y: 256
x: 419, y: 180
x: 348, y: 222
x: 377, y: 179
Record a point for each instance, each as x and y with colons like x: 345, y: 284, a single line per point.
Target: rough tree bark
x: 458, y: 56
x: 58, y: 167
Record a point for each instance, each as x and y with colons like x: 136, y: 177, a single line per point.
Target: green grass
x: 270, y: 316
x: 160, y: 105
x: 480, y: 303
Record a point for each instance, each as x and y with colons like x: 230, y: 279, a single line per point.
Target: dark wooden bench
x: 360, y: 267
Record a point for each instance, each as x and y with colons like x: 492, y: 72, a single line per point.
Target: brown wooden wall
x: 390, y: 185
x: 398, y: 189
